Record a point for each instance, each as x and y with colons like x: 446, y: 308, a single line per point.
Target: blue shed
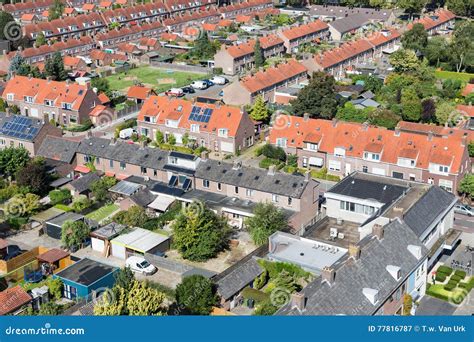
x: 85, y: 276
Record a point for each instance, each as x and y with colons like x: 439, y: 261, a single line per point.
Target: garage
x: 227, y: 146
x: 139, y: 241
x: 378, y: 171
x: 100, y: 238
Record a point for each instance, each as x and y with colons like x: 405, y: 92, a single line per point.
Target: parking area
x: 430, y: 306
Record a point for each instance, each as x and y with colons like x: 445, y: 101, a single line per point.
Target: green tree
x: 12, y: 159
x: 436, y: 50
x: 59, y: 196
x: 22, y: 205
x: 171, y: 139
x: 451, y: 88
x: 378, y: 3
x: 112, y: 303
x: 466, y: 186
x: 404, y: 61
x: 461, y: 7
x: 266, y: 308
x: 470, y: 148
x: 350, y: 113
x: 74, y: 233
x: 259, y: 58
x: 384, y: 118
x: 196, y: 295
x: 266, y: 220
x: 412, y: 6
x: 81, y: 203
x: 55, y: 287
x: 102, y: 85
x: 144, y: 300
x: 50, y: 309
x: 136, y: 216
x: 407, y: 304
x: 40, y: 40
x: 462, y: 45
x: 259, y: 111
x: 318, y: 98
x: 34, y: 175
x: 56, y: 10
x: 124, y: 278
x: 428, y: 110
x: 101, y: 187
x: 159, y: 137
x: 411, y: 105
x: 416, y: 38
x: 54, y: 67
x: 446, y: 113
x: 286, y: 281
x: 199, y: 233
x: 15, y: 63
x: 203, y: 48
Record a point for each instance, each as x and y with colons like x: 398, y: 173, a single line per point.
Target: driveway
x: 430, y: 306
x: 464, y: 223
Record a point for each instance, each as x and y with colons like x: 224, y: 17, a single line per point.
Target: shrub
x: 63, y: 207
x: 59, y: 196
x: 437, y: 295
x: 449, y: 287
x: 256, y: 295
x: 441, y: 277
x: 265, y: 163
x: 265, y: 308
x: 464, y: 285
x: 453, y: 282
x: 455, y: 278
x: 445, y: 269
x: 459, y: 273
x: 273, y: 152
x: 260, y: 281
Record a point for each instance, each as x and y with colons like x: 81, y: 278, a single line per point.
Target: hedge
x: 449, y: 287
x: 460, y: 273
x: 444, y: 269
x: 266, y: 162
x: 456, y: 278
x: 441, y: 277
x: 453, y: 282
x: 464, y: 285
x: 437, y: 295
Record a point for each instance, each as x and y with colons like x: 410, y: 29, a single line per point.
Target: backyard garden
x: 450, y: 285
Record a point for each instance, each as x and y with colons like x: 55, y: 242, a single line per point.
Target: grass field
x: 159, y: 79
x: 103, y: 212
x: 463, y: 76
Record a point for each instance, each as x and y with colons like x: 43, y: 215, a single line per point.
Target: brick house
x: 344, y: 147
x: 440, y: 19
x: 217, y: 127
x: 64, y: 102
x: 295, y: 36
x: 18, y: 131
x: 265, y: 83
x: 237, y: 58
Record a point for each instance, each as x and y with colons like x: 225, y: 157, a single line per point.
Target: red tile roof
x: 164, y: 108
x: 53, y: 255
x: 468, y: 89
x: 357, y: 138
x: 305, y: 30
x: 273, y: 75
x: 437, y: 18
x: 12, y: 299
x: 247, y: 48
x: 138, y: 92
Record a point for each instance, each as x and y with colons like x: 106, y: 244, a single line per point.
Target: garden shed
x: 139, y: 241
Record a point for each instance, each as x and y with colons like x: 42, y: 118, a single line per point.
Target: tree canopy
x: 259, y: 58
x: 318, y: 98
x: 74, y: 233
x: 266, y: 220
x: 34, y: 175
x: 199, y: 233
x: 101, y: 186
x: 466, y: 186
x: 12, y: 159
x: 196, y: 295
x: 259, y: 111
x: 54, y: 67
x: 416, y: 38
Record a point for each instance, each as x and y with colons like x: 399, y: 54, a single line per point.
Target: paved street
x: 464, y: 223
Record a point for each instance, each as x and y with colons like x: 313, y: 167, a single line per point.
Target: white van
x: 126, y: 133
x: 199, y: 85
x: 140, y: 265
x: 219, y: 80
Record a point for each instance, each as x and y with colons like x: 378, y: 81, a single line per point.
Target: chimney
x: 378, y: 231
x: 68, y: 81
x: 334, y: 122
x: 271, y: 170
x: 204, y: 155
x: 298, y: 301
x: 307, y: 176
x: 354, y: 252
x: 306, y: 117
x: 365, y: 126
x: 430, y: 135
x: 30, y: 76
x: 328, y: 274
x: 48, y: 79
x: 397, y: 131
x: 464, y: 141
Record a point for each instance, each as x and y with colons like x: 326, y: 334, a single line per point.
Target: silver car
x: 464, y: 209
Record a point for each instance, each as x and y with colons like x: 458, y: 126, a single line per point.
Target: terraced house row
x: 344, y: 147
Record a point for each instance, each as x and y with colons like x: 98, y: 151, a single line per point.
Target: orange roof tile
x: 468, y: 89
x: 139, y: 92
x: 12, y: 299
x: 304, y: 30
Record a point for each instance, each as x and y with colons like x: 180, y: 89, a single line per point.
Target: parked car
x: 219, y: 80
x: 188, y: 90
x: 140, y: 265
x: 464, y: 209
x: 199, y: 85
x: 178, y: 92
x: 208, y: 82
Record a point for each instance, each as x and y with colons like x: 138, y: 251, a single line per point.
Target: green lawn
x: 455, y: 296
x: 103, y: 212
x: 159, y: 79
x: 463, y: 76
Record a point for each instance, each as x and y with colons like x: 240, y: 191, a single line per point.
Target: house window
x: 281, y: 142
x: 305, y: 162
x: 143, y: 170
x: 365, y: 169
x: 10, y: 97
x: 155, y: 173
x: 443, y: 169
x: 173, y: 160
x: 223, y: 132
x: 398, y: 175
x: 275, y: 198
x: 111, y: 163
x: 122, y: 166
x: 194, y: 128
x: 312, y: 147
x: 205, y: 183
x: 290, y: 200
x: 249, y: 192
x: 219, y: 186
x: 97, y: 160
x: 334, y: 165
x: 236, y: 189
x: 446, y: 185
x: 356, y: 208
x: 87, y: 159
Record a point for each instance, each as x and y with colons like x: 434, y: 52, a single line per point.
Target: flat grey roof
x: 109, y: 231
x: 311, y: 255
x: 140, y: 240
x: 59, y: 220
x: 125, y: 188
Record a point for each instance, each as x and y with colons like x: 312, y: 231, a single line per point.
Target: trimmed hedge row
x: 444, y: 269
x: 441, y: 277
x: 459, y: 273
